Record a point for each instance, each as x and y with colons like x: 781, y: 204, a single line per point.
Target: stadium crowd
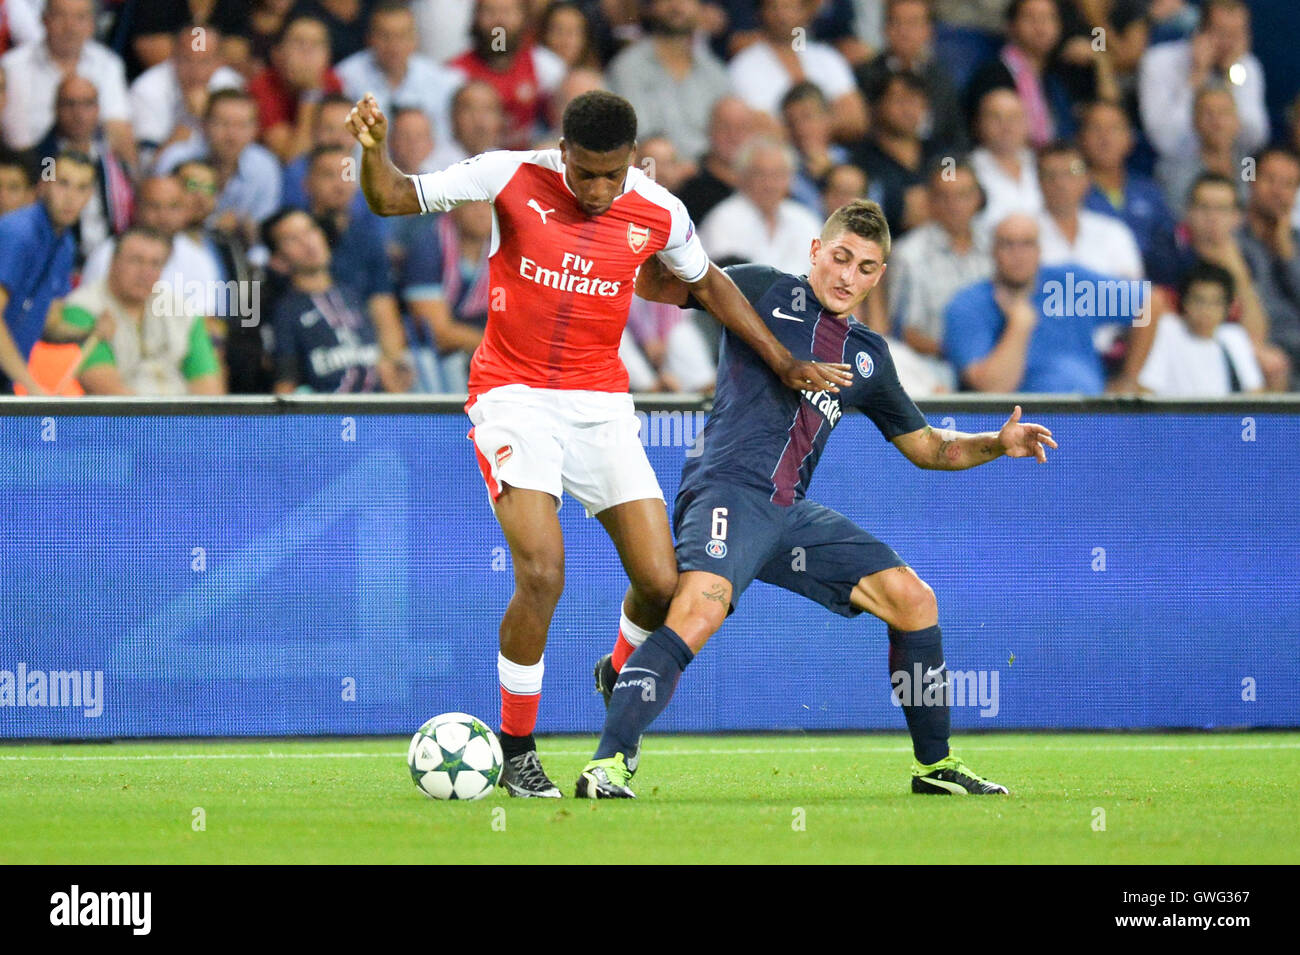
x: 1086, y: 195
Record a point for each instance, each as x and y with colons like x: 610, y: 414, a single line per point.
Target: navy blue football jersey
x: 769, y: 437
x: 325, y: 341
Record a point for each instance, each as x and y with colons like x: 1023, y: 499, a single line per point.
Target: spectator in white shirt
x: 1068, y: 233
x: 759, y: 223
x: 933, y: 261
x: 443, y: 27
x: 77, y: 127
x: 191, y: 267
x: 763, y: 72
x: 1217, y: 149
x: 248, y: 173
x: 1003, y: 161
x: 671, y: 80
x: 1217, y: 54
x: 390, y: 68
x: 1199, y: 354
x: 23, y: 18
x: 168, y: 100
x: 34, y: 71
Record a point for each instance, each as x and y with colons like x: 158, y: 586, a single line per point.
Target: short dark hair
x: 1085, y: 110
x: 1209, y: 6
x: 600, y: 122
x: 324, y: 149
x: 143, y: 232
x: 1058, y: 147
x: 880, y: 87
x: 187, y: 29
x: 945, y: 167
x: 227, y: 95
x: 1013, y: 10
x: 804, y: 89
x: 334, y: 99
x: 74, y: 156
x: 385, y: 7
x: 1206, y: 273
x: 891, y: 4
x: 24, y: 161
x: 1278, y: 152
x: 862, y: 217
x: 401, y: 109
x: 297, y: 15
x: 1213, y: 179
x: 272, y: 223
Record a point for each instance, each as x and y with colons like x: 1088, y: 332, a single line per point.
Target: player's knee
x: 911, y: 601
x: 655, y: 589
x: 697, y: 622
x: 539, y: 577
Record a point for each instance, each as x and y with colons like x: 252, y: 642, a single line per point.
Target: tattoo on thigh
x: 716, y: 593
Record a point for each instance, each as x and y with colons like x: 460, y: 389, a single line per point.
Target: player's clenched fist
x: 367, y: 123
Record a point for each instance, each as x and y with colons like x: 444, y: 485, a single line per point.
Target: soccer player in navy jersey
x: 742, y: 506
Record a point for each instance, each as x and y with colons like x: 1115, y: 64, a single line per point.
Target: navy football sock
x: 644, y: 687
x: 919, y: 678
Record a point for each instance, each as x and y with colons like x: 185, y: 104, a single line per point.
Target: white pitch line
x: 790, y: 751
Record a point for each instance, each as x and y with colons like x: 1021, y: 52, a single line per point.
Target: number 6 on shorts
x: 719, y: 526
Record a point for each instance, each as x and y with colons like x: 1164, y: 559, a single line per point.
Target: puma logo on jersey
x: 537, y: 207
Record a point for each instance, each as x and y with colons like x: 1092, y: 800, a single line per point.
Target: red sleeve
x: 271, y: 106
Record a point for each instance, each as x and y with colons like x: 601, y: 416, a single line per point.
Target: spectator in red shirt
x: 521, y: 72
x: 290, y: 90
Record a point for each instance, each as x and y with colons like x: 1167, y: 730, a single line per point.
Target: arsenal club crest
x: 637, y: 236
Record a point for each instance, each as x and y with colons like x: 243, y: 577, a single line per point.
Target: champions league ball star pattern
x: 455, y: 756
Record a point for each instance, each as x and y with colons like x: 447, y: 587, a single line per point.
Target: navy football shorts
x: 736, y: 532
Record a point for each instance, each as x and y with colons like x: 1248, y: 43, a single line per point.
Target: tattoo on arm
x: 717, y: 593
x: 945, y: 446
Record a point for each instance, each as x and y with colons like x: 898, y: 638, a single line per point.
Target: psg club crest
x: 637, y: 236
x: 865, y: 365
x: 715, y: 548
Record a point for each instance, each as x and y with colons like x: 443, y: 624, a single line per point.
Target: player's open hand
x: 816, y: 375
x: 1025, y: 440
x: 367, y: 123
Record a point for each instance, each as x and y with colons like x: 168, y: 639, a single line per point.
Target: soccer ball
x: 455, y: 756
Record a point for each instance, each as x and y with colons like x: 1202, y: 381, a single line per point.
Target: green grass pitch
x: 1182, y: 798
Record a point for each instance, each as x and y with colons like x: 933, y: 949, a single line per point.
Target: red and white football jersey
x: 560, y: 281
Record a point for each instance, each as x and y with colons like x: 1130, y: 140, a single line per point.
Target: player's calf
x: 643, y: 689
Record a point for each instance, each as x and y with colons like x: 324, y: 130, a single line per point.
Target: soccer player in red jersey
x: 547, y: 391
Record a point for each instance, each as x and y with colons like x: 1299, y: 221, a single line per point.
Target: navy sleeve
x: 286, y: 339
x: 422, y: 273
x: 885, y: 402
x: 752, y: 280
x: 379, y: 268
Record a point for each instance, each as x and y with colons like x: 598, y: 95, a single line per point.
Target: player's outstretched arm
x: 656, y: 283
x: 725, y: 302
x: 388, y: 190
x: 943, y: 450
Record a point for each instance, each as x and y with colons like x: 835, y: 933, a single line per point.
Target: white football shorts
x: 585, y: 442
